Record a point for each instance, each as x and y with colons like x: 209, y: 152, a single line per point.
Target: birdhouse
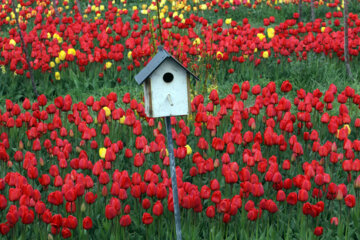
x: 166, y: 86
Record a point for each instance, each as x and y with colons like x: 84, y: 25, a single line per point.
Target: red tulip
x: 214, y: 185
x: 70, y: 195
x: 318, y: 231
x: 87, y: 223
x: 292, y: 198
x: 350, y: 200
x: 216, y: 197
x: 65, y: 232
x: 256, y: 89
x: 26, y: 104
x: 139, y: 159
x: 12, y: 218
x: 110, y: 212
x: 125, y: 221
x: 56, y: 220
x: 104, y: 178
x: 3, y: 202
x: 253, y: 214
x: 14, y: 194
x: 42, y: 100
x: 286, y: 86
x: 235, y: 88
x: 55, y: 198
x: 36, y: 145
x: 147, y: 218
x: 40, y: 207
x: 224, y: 205
x: 158, y: 208
x: 46, y: 216
x: 334, y: 220
x: 271, y: 206
x: 210, y: 212
x: 303, y: 195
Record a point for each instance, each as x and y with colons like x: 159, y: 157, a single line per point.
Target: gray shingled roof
x: 154, y: 63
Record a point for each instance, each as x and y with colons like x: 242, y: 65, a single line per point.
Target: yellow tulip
x: 197, y: 41
x: 260, y: 36
x: 188, y: 150
x: 71, y: 51
x: 228, y: 21
x: 102, y: 152
x: 265, y: 54
x: 108, y: 65
x: 122, y: 120
x: 62, y: 55
x: 57, y: 76
x: 12, y: 42
x: 270, y: 32
x: 107, y: 111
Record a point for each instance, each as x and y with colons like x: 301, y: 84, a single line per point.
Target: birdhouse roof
x: 155, y: 62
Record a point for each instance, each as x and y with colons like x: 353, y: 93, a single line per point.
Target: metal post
x: 173, y: 178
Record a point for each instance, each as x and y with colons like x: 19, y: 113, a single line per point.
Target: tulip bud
x: 82, y: 143
x: 9, y: 164
x: 339, y: 195
x: 28, y: 144
x: 322, y: 161
x: 104, y: 191
x: 78, y: 149
x: 357, y: 182
x: 21, y: 145
x: 216, y: 163
x: 159, y: 126
x: 333, y: 147
x: 213, y: 133
x: 71, y: 133
x: 264, y: 119
x: 83, y: 207
x: 50, y: 237
x: 293, y: 157
x: 41, y: 161
x: 146, y: 149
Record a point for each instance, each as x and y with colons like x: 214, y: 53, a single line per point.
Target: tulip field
x: 270, y: 150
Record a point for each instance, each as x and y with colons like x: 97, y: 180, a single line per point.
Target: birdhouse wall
x: 167, y: 91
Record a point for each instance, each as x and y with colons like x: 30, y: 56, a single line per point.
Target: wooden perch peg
x: 169, y: 99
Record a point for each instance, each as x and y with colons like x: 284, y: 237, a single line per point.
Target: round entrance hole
x: 168, y: 77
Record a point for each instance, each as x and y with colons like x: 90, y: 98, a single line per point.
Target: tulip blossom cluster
x: 255, y: 153
x: 116, y: 34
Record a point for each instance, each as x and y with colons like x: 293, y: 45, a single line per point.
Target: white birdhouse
x: 166, y: 86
